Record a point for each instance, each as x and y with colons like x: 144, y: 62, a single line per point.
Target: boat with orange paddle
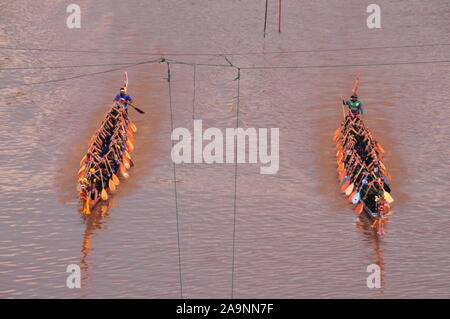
x: 108, y: 158
x: 362, y: 174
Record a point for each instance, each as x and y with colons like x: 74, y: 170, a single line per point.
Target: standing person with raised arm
x: 354, y: 105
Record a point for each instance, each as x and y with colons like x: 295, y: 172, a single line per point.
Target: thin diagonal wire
x: 77, y: 76
x: 309, y: 66
x: 175, y: 181
x: 197, y: 64
x: 235, y: 185
x: 340, y: 65
x: 227, y: 53
x: 64, y: 66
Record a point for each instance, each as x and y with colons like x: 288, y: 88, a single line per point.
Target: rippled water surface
x: 296, y: 236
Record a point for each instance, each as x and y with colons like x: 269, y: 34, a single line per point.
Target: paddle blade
x: 359, y: 208
x: 356, y: 198
x: 123, y: 171
x: 133, y: 127
x: 350, y: 198
x: 87, y: 208
x: 129, y: 131
x: 388, y: 197
x: 388, y: 176
x: 138, y: 109
x: 111, y: 185
x: 104, y: 194
x: 345, y: 186
x: 379, y: 147
x: 130, y: 146
x: 81, y: 172
x: 115, y: 179
x: 335, y: 137
x: 349, y: 189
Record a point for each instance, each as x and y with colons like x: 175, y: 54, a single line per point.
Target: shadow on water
x: 370, y: 236
x: 95, y: 221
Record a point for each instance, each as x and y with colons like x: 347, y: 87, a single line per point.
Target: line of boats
x: 361, y: 170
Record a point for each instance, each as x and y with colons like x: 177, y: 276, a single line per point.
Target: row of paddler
x: 361, y: 169
x: 108, y: 154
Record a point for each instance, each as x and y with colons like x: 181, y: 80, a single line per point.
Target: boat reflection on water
x: 370, y: 235
x: 94, y: 221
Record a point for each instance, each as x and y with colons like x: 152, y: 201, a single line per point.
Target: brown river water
x: 296, y: 236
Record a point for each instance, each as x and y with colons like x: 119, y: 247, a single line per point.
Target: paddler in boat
x: 93, y: 181
x: 354, y: 105
x: 123, y: 98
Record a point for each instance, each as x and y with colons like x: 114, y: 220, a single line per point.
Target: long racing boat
x: 361, y: 170
x: 108, y: 155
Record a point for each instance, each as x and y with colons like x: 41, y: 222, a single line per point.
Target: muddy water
x: 296, y: 236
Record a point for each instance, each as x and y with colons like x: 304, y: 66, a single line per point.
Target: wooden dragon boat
x: 108, y: 155
x: 361, y: 170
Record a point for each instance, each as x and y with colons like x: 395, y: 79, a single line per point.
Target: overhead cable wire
x: 224, y: 53
x: 233, y: 66
x: 238, y: 79
x: 65, y: 66
x: 175, y: 180
x: 79, y: 75
x: 340, y: 65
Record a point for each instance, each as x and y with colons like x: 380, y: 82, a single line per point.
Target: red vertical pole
x: 279, y: 16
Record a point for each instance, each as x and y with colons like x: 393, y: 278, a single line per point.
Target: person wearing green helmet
x: 354, y: 105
